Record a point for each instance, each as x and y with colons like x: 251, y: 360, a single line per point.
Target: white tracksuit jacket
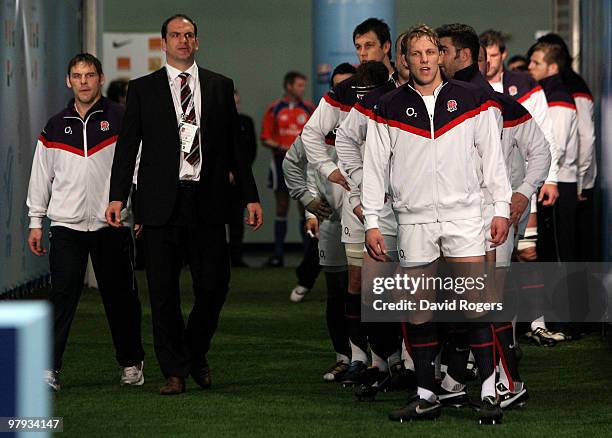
x: 430, y: 162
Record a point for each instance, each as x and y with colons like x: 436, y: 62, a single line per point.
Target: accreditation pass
x: 187, y: 132
x: 31, y: 424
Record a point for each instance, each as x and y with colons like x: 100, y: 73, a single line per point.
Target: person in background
x: 69, y: 185
x: 557, y: 224
x: 282, y: 123
x: 518, y: 63
x: 247, y: 141
x: 523, y: 88
x: 308, y: 270
x: 117, y: 90
x: 586, y: 222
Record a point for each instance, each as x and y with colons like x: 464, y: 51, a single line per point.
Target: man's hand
x: 138, y: 230
x: 499, y: 230
x: 255, y: 218
x: 337, y: 178
x: 319, y: 208
x: 311, y: 227
x: 581, y: 197
x: 359, y: 213
x: 113, y: 214
x: 548, y: 195
x: 518, y: 204
x: 375, y: 244
x: 232, y: 179
x: 35, y: 241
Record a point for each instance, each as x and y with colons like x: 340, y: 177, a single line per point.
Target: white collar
x: 174, y: 72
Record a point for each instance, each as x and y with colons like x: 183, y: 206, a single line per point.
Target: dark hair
x: 87, y: 58
x: 376, y: 25
x: 371, y: 73
x: 117, y: 89
x: 553, y: 54
x: 517, y: 58
x: 493, y: 38
x: 164, y: 28
x: 553, y: 38
x: 463, y: 36
x: 341, y: 69
x: 291, y: 76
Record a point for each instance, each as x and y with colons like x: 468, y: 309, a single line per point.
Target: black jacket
x: 150, y: 117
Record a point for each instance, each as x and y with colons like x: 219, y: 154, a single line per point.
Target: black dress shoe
x: 201, y: 375
x: 173, y: 386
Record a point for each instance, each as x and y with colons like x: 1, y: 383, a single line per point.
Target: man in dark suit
x: 186, y: 118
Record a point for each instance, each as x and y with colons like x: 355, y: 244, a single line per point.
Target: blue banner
x: 333, y: 25
x: 39, y: 37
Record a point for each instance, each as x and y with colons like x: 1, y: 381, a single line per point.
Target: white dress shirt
x: 187, y: 172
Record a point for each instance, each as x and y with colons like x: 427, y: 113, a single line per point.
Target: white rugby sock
x: 488, y: 387
x: 539, y: 322
x: 451, y: 385
x: 379, y: 362
x: 408, y: 362
x: 358, y: 354
x: 438, y: 365
x: 394, y: 358
x: 426, y: 394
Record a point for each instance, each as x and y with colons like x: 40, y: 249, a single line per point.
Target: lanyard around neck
x: 191, y: 103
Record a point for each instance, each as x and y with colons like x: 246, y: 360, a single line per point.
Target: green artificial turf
x: 267, y: 360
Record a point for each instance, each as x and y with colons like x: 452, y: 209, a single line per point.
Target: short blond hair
x: 419, y: 31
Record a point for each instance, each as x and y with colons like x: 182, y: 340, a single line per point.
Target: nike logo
x: 418, y: 409
x: 117, y: 44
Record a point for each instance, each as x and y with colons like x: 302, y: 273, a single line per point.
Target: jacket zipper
x: 435, y: 157
x: 86, y: 155
x: 433, y: 142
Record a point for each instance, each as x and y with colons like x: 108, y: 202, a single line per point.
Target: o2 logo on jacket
x: 410, y: 112
x: 512, y: 90
x: 104, y: 125
x: 451, y: 105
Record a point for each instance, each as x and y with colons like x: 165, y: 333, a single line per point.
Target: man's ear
x: 553, y: 68
x: 163, y: 44
x: 102, y: 79
x: 504, y: 55
x: 68, y: 84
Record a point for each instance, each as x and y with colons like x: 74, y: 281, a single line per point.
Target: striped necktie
x: 192, y: 157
